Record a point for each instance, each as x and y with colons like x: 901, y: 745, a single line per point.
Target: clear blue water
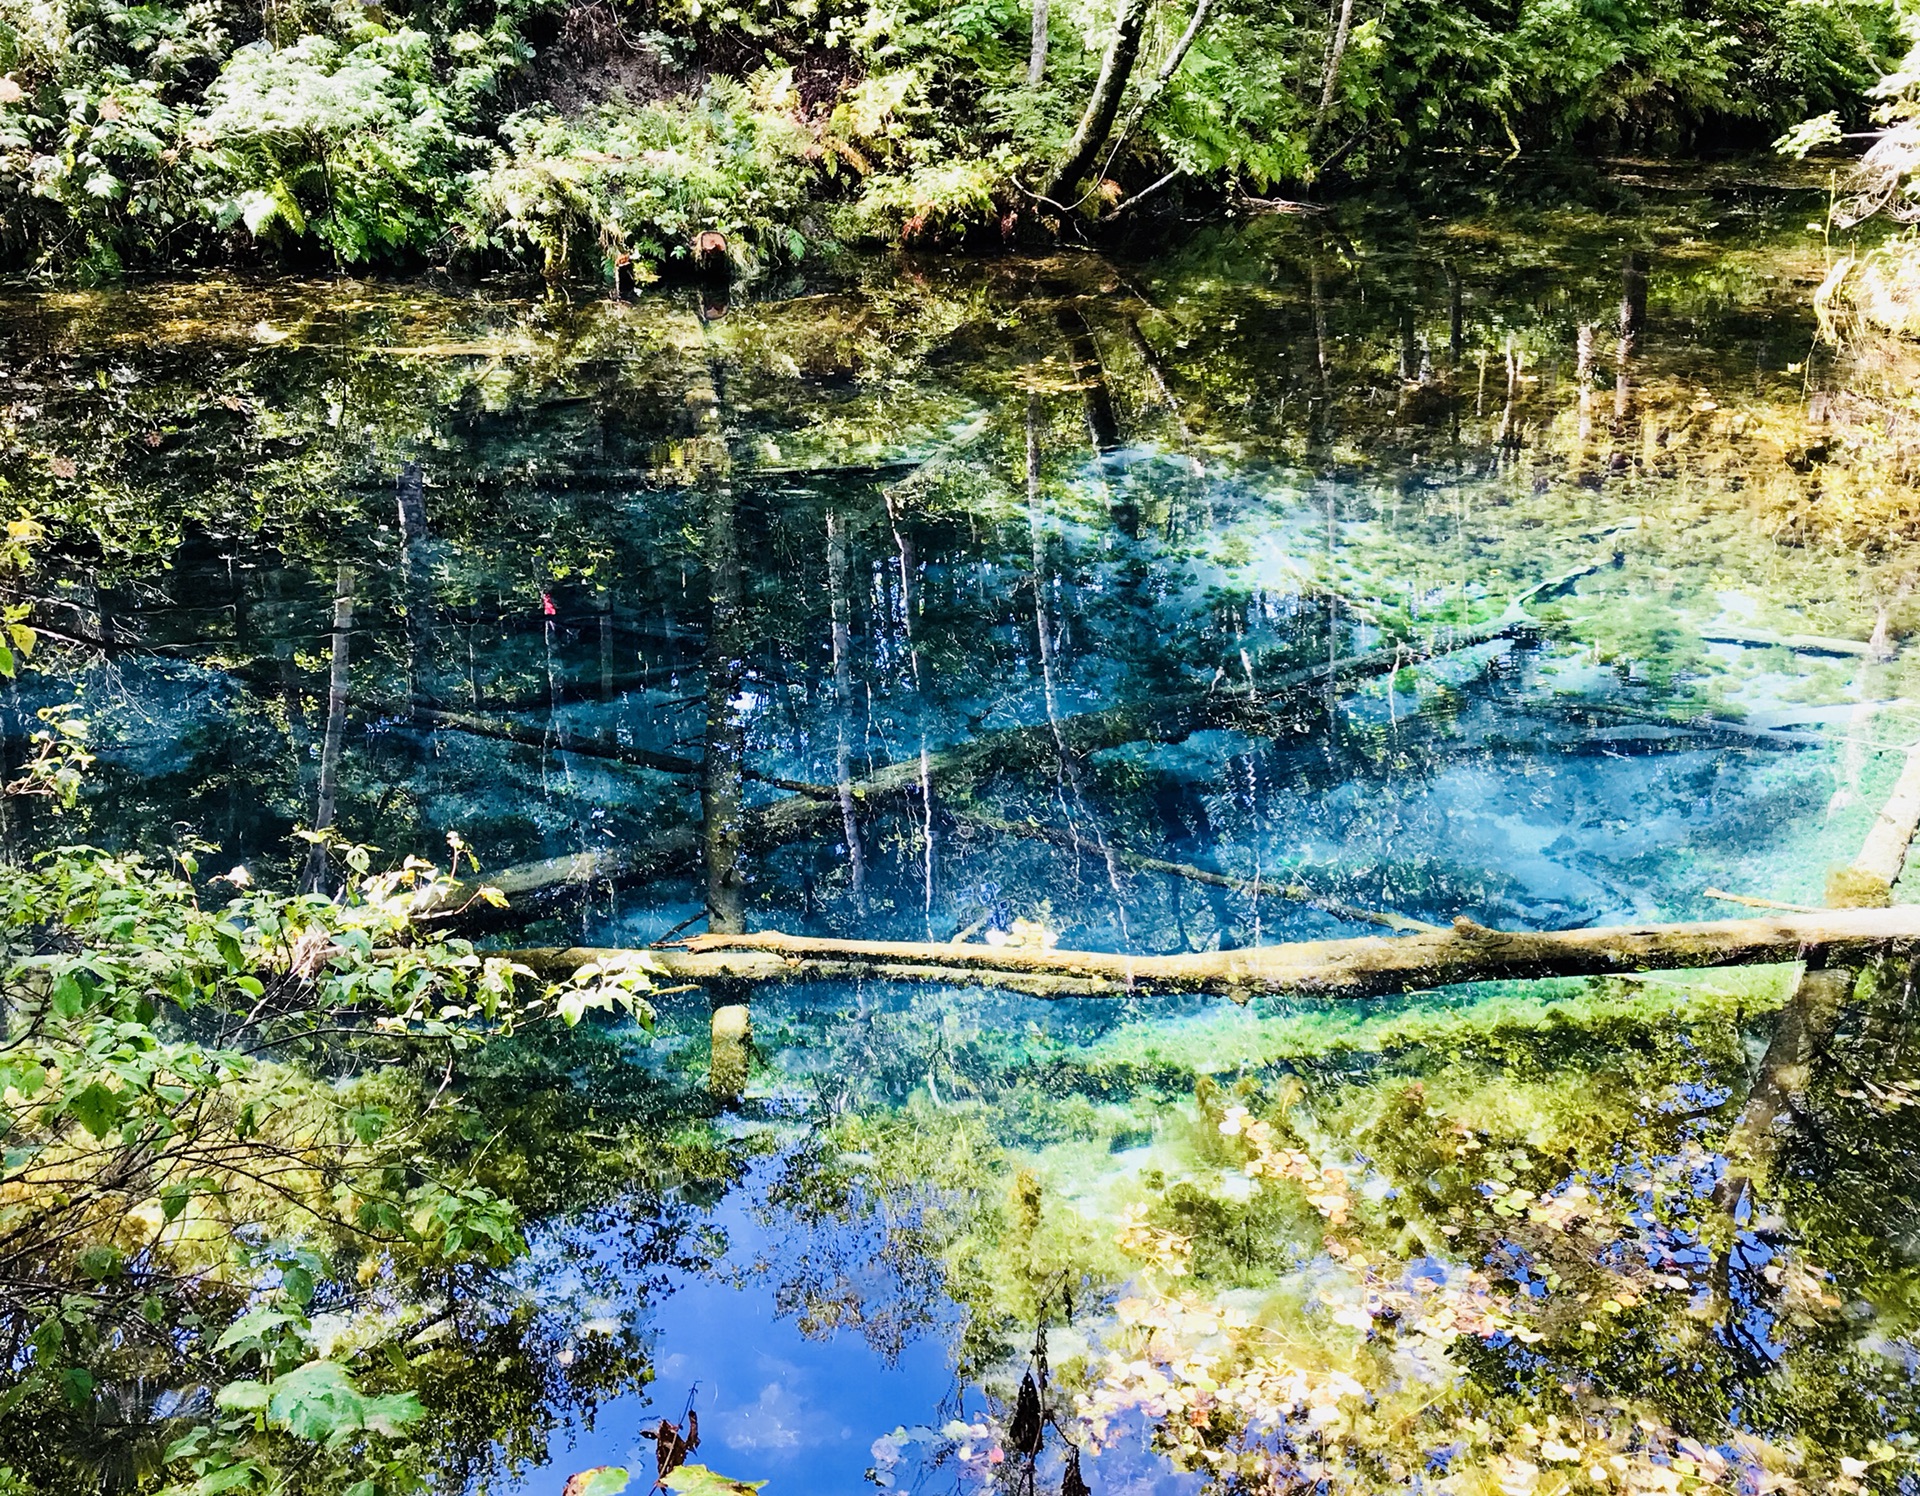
x: 1082, y: 527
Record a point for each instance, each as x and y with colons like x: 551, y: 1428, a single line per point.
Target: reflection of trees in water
x: 708, y: 621
x: 616, y: 1188
x: 854, y: 1257
x: 1501, y: 1233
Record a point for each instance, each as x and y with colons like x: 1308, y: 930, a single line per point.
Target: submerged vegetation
x: 1532, y: 555
x: 985, y: 605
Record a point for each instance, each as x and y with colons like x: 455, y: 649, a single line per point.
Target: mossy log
x: 1883, y: 856
x: 1823, y: 644
x: 1372, y: 966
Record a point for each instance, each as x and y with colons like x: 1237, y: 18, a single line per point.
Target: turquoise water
x: 1059, y: 542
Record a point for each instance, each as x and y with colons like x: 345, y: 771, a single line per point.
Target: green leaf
x: 227, y: 1478
x: 297, y: 1284
x: 243, y: 1397
x: 77, y: 1383
x: 69, y: 998
x: 698, y: 1480
x: 315, y: 1401
x: 318, y: 1401
x: 369, y: 1122
x: 252, y: 1328
x: 602, y: 1480
x: 97, y: 1109
x: 99, y: 1263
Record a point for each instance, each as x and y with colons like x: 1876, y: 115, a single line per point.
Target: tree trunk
x: 1370, y: 966
x: 1633, y: 320
x: 507, y: 731
x: 337, y: 681
x: 1806, y: 1024
x: 1330, y: 80
x: 415, y: 594
x: 1037, y: 57
x: 903, y: 545
x: 1090, y: 376
x: 1097, y: 122
x: 839, y: 603
x: 1883, y: 856
x: 722, y: 803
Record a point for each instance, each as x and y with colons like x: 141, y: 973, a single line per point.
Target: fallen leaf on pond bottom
x: 698, y: 1480
x: 601, y: 1480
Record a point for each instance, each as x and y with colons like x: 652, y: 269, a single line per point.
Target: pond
x: 1320, y: 576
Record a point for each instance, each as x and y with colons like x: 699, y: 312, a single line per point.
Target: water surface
x: 1023, y: 577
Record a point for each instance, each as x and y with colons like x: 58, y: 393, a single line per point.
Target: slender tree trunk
x: 1322, y: 359
x: 1043, y: 636
x: 1330, y: 80
x: 837, y: 591
x: 1089, y: 373
x: 1161, y: 78
x: 903, y: 543
x: 1633, y: 318
x: 1583, y: 377
x: 411, y: 504
x: 337, y: 696
x: 722, y: 803
x: 299, y: 739
x: 1509, y: 436
x: 1806, y: 1024
x: 603, y: 600
x: 1037, y: 57
x: 1102, y: 108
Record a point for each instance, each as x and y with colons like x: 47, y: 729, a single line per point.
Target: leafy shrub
x: 355, y: 145
x: 177, y: 1186
x: 931, y: 202
x: 645, y: 181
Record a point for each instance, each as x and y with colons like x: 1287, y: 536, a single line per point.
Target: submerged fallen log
x: 1086, y: 846
x: 1869, y: 879
x: 1372, y: 966
x: 956, y: 770
x: 588, y: 745
x: 1865, y: 649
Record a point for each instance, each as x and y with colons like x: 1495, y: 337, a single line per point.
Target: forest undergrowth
x: 566, y: 136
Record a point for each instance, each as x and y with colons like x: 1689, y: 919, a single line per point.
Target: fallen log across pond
x: 1371, y: 966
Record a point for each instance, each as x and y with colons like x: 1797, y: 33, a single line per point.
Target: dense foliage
x: 230, y: 1141
x: 526, y: 132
